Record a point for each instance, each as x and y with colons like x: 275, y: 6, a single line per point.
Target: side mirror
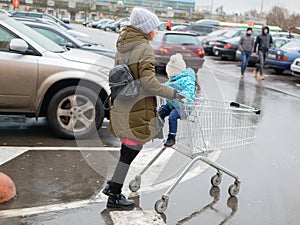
x: 69, y: 45
x: 18, y: 45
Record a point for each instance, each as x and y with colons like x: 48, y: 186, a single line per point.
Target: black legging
x: 127, y: 155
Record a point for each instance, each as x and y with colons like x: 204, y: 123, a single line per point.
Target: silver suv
x: 40, y: 78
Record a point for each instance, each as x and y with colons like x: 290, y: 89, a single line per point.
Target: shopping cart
x: 208, y: 126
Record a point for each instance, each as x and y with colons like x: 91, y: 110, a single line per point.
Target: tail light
x: 201, y: 53
x: 283, y: 57
x: 164, y: 51
x: 227, y: 46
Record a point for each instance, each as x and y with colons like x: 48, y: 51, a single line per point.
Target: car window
x: 35, y: 15
x: 279, y: 43
x: 256, y: 32
x: 49, y: 18
x: 181, y: 39
x: 5, y: 38
x: 52, y: 36
x: 35, y: 36
x: 203, y: 29
x: 292, y: 46
x: 216, y: 33
x: 230, y: 33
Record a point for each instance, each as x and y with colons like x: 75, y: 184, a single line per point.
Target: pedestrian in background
x: 246, y: 46
x: 290, y: 34
x: 262, y: 44
x: 169, y: 25
x: 135, y: 121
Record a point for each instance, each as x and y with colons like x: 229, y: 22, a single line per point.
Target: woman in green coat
x: 134, y: 121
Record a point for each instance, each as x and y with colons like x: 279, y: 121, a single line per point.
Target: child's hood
x: 188, y: 73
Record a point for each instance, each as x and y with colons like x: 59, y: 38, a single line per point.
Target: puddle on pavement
x: 52, y: 177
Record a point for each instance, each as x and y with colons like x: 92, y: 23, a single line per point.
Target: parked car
x: 72, y: 32
x: 65, y: 40
x: 3, y: 11
x: 295, y: 67
x: 97, y: 23
x: 285, y: 34
x: 167, y: 43
x: 209, y: 43
x: 216, y: 33
x: 123, y: 25
x: 105, y: 25
x: 88, y: 23
x: 280, y: 59
x: 200, y: 29
x: 277, y: 43
x: 116, y: 26
x: 66, y: 20
x: 40, y: 78
x: 163, y: 25
x: 40, y: 15
x: 209, y: 22
x: 227, y: 48
x: 180, y: 27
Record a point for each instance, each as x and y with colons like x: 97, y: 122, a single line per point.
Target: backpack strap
x: 129, y: 56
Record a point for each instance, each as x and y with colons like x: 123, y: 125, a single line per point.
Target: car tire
x: 75, y: 112
x: 279, y: 71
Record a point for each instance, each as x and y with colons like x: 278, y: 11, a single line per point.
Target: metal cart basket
x: 207, y: 126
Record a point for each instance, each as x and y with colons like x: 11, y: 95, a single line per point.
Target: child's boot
x: 170, y: 141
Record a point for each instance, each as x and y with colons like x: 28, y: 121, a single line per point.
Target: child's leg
x: 173, y: 121
x: 164, y: 111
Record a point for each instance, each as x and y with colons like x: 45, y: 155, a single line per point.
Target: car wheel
x: 75, y: 112
x: 279, y: 71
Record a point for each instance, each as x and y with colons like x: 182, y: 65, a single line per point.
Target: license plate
x: 216, y: 52
x: 272, y: 56
x: 186, y: 54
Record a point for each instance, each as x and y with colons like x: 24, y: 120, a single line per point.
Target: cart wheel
x: 134, y: 185
x: 216, y: 180
x: 160, y: 206
x: 233, y: 190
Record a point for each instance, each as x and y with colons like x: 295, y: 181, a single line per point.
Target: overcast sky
x: 238, y: 6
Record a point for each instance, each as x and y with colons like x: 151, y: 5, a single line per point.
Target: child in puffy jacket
x: 183, y: 80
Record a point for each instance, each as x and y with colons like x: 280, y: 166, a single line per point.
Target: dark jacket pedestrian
x: 262, y: 44
x: 135, y: 121
x: 246, y: 46
x: 290, y: 34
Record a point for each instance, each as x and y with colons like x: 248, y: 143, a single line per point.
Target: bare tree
x: 278, y: 16
x: 293, y: 21
x: 252, y: 13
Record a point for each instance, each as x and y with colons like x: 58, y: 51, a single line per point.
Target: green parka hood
x: 130, y: 38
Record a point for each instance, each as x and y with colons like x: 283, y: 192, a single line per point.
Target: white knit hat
x: 144, y: 20
x: 176, y: 65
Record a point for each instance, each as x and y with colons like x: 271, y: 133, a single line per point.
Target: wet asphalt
x: 268, y: 169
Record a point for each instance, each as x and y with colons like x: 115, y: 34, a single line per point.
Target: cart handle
x: 237, y: 105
